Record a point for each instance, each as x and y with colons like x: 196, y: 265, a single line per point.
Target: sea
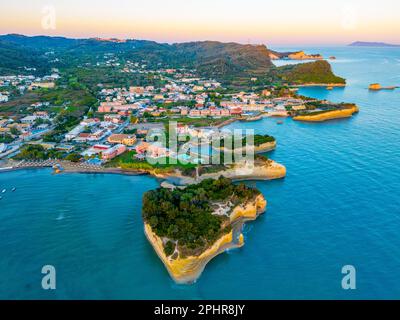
x: 338, y: 206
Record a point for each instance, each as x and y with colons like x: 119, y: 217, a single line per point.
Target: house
x: 90, y: 122
x: 126, y: 107
x: 142, y: 148
x: 114, y: 118
x: 41, y: 114
x: 126, y: 139
x: 3, y: 98
x: 65, y: 147
x: 152, y: 150
x: 194, y: 113
x: 215, y: 112
x: 266, y: 93
x: 299, y: 107
x: 225, y: 113
x: 205, y: 112
x: 98, y: 135
x: 108, y: 106
x: 113, y: 152
x: 104, y: 109
x: 137, y: 90
x: 253, y: 107
x: 45, y: 85
x: 158, y: 97
x: 182, y: 129
x: 236, y: 111
x: 198, y: 88
x: 101, y: 147
x: 96, y: 149
x: 82, y: 137
x: 184, y: 111
x: 28, y: 119
x: 74, y: 132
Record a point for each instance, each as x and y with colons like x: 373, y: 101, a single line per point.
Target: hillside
x: 224, y: 59
x: 313, y: 72
x: 231, y: 63
x: 15, y: 59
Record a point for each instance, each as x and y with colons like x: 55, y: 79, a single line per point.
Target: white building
x: 3, y: 98
x: 74, y: 132
x: 29, y: 119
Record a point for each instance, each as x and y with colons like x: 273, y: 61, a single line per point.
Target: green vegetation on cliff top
x: 185, y: 216
x: 313, y: 72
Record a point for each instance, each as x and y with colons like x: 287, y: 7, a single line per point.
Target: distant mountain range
x: 230, y: 63
x: 372, y: 44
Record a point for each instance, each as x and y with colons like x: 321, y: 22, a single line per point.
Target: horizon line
x: 186, y: 41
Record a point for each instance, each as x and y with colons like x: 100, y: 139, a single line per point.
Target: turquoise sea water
x: 339, y: 205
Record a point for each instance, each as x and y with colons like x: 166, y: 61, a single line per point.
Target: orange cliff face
x: 301, y: 55
x: 328, y: 115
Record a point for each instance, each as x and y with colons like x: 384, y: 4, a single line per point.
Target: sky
x: 277, y: 22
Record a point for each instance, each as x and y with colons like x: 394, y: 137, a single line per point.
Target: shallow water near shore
x: 338, y: 205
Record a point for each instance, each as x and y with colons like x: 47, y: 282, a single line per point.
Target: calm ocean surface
x: 339, y: 205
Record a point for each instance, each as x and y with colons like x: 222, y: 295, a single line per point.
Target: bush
x: 169, y: 248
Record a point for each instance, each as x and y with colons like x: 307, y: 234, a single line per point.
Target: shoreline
x: 337, y: 85
x: 99, y: 170
x: 268, y: 171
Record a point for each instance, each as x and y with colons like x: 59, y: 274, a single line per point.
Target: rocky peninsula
x: 321, y: 116
x: 224, y: 211
x: 262, y: 169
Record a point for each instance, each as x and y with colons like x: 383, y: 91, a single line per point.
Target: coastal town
x: 110, y: 114
x: 120, y: 118
x: 199, y: 159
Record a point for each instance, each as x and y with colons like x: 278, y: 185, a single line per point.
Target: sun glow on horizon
x: 251, y: 21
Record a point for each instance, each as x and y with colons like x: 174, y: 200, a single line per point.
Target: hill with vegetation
x: 313, y: 72
x: 231, y: 63
x: 15, y: 59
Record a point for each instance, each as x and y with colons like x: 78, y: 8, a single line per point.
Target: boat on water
x: 58, y: 168
x: 279, y: 122
x: 4, y: 191
x: 329, y: 88
x: 13, y: 189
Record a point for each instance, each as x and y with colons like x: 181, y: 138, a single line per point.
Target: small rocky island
x: 188, y: 227
x: 320, y: 112
x: 378, y: 87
